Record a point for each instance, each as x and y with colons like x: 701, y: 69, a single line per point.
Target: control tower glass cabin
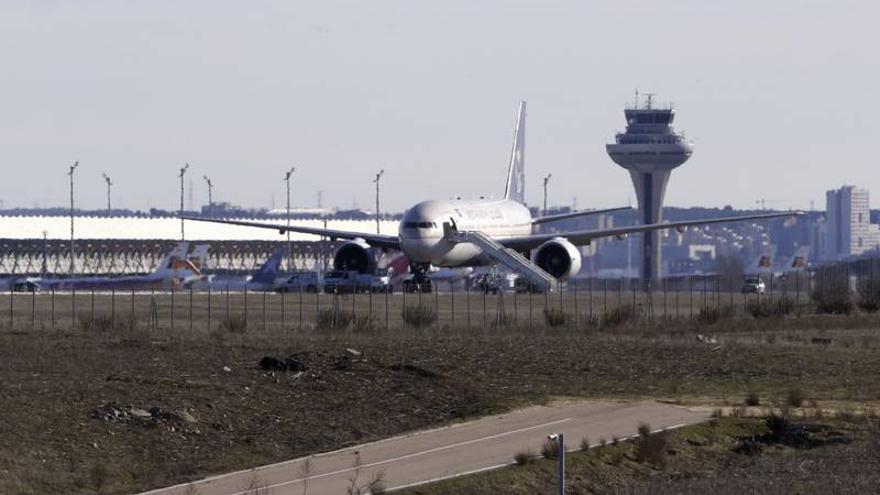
x: 649, y: 149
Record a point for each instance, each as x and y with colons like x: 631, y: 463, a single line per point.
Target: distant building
x: 848, y: 228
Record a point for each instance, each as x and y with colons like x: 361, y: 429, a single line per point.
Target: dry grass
x: 53, y: 380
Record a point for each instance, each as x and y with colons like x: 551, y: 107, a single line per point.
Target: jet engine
x: 558, y: 257
x: 355, y: 255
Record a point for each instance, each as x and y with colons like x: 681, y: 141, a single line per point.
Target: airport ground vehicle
x: 753, y: 285
x: 301, y: 281
x: 350, y: 281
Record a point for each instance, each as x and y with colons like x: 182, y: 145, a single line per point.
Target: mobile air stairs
x: 507, y: 257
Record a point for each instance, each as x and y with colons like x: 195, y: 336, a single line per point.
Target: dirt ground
x: 122, y: 410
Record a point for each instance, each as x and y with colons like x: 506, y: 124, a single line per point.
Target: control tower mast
x: 649, y: 149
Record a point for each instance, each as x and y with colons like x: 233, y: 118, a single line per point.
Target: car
x: 341, y: 282
x: 302, y: 281
x: 753, y: 285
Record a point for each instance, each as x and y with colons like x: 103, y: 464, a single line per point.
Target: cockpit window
x: 419, y: 225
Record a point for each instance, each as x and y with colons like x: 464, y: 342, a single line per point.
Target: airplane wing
x: 584, y: 237
x: 573, y: 214
x: 375, y: 240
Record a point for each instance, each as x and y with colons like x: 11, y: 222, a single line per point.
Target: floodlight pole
x: 182, y: 173
x: 109, y: 183
x: 72, y: 246
x: 546, y: 180
x: 289, y: 248
x: 376, y: 180
x: 210, y: 195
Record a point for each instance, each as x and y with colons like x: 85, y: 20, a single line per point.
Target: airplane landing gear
x: 419, y: 281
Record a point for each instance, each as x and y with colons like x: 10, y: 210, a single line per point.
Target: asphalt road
x: 421, y: 457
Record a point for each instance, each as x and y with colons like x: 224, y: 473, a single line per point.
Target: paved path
x: 478, y: 445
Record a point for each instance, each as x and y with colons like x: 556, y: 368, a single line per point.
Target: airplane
x: 264, y: 279
x: 170, y: 273
x: 480, y: 232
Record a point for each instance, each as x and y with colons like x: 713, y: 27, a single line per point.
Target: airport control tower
x: 650, y: 148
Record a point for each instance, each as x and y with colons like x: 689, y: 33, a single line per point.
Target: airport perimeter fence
x: 583, y: 303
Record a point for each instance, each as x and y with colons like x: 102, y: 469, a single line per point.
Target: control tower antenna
x: 649, y: 149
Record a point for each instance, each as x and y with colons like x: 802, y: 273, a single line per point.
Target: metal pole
x: 109, y: 183
x: 289, y: 249
x: 72, y: 255
x: 378, y: 176
x: 182, y: 173
x: 210, y: 195
x: 546, y: 180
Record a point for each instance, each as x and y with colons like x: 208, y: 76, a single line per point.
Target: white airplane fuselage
x: 421, y: 229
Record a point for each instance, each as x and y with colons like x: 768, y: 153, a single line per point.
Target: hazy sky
x: 778, y: 96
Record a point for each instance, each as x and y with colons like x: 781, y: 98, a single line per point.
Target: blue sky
x: 778, y: 96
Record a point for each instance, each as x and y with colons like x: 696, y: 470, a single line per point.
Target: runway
x: 431, y: 455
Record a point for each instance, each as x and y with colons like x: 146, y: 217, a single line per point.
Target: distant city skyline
x: 778, y: 97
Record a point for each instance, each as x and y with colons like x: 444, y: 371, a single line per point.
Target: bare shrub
x: 711, y: 316
x: 585, y: 444
x: 795, y: 397
x: 619, y: 316
x: 419, y: 316
x: 834, y: 299
x: 651, y: 447
x: 752, y: 398
x: 550, y: 449
x: 777, y: 424
x: 869, y: 295
x: 333, y: 319
x: 555, y: 317
x: 717, y: 413
x: 764, y: 308
x: 522, y: 457
x: 363, y: 323
x: 234, y: 324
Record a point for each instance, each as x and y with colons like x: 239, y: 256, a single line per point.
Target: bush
x: 98, y: 322
x: 550, y: 449
x: 333, y: 319
x: 555, y: 317
x: 752, y: 398
x: 234, y: 324
x: 869, y: 295
x: 833, y: 299
x: 585, y: 444
x: 419, y: 316
x: 522, y: 458
x: 777, y: 424
x: 764, y: 308
x: 651, y: 447
x: 795, y: 397
x: 619, y: 316
x: 711, y: 316
x: 363, y: 323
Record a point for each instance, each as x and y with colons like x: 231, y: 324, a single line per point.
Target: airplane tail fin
x: 199, y: 256
x: 267, y: 272
x: 167, y: 265
x: 516, y: 177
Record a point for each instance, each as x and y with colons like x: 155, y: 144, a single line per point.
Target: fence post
x: 92, y: 309
x: 436, y: 290
x: 301, y: 305
x: 451, y: 303
x: 172, y: 307
x: 485, y: 292
x: 11, y: 309
x: 190, y: 309
x: 577, y: 319
x: 264, y: 311
x: 209, y: 308
x: 53, y: 309
x: 467, y: 290
x: 387, y: 321
x: 245, y: 307
x: 227, y: 303
x: 113, y: 308
x: 33, y: 309
x: 73, y: 309
x: 131, y: 323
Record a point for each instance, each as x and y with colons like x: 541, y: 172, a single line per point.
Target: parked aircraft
x: 264, y: 279
x: 174, y: 270
x: 479, y: 232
